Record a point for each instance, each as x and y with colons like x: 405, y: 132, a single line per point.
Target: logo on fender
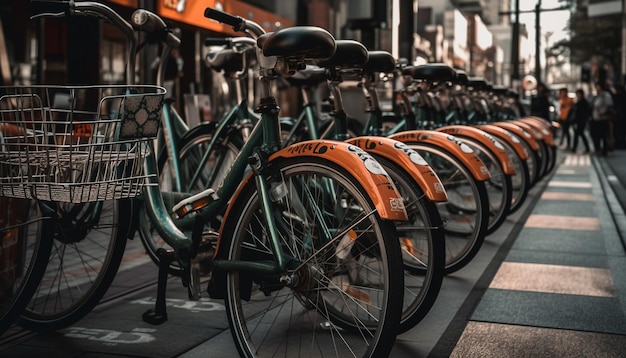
x: 397, y: 204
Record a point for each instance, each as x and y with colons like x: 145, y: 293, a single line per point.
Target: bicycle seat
x: 432, y: 72
x: 499, y: 90
x: 379, y: 61
x: 225, y: 60
x: 477, y: 83
x: 309, y: 76
x: 461, y: 77
x: 349, y: 54
x: 307, y: 42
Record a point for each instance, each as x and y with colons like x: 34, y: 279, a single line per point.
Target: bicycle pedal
x: 194, y: 203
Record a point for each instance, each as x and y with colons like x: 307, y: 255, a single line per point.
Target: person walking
x: 578, y: 118
x: 600, y: 113
x: 565, y: 105
x: 619, y: 125
x: 540, y: 103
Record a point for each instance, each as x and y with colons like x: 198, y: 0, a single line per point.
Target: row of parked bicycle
x: 324, y: 237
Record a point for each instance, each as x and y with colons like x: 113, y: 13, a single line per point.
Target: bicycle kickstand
x: 158, y: 314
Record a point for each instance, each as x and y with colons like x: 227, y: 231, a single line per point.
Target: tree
x: 595, y: 39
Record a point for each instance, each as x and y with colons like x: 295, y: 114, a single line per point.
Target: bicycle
x: 324, y: 211
x: 186, y: 152
x: 89, y: 232
x: 422, y: 238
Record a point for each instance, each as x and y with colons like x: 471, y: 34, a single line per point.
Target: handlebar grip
x: 39, y: 7
x: 147, y: 21
x: 220, y: 16
x: 154, y: 25
x: 217, y: 41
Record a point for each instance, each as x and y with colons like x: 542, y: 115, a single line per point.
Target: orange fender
x: 541, y: 126
x: 485, y: 139
x: 409, y: 159
x: 506, y: 135
x: 520, y: 132
x: 449, y: 143
x: 361, y: 165
x: 537, y: 135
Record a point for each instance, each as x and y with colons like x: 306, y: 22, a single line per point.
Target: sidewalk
x: 561, y: 289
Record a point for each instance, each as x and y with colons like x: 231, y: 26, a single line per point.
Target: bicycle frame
x: 262, y: 146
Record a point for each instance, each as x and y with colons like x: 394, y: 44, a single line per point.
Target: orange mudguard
x: 449, y: 143
x: 541, y: 126
x: 485, y: 139
x: 408, y: 159
x: 520, y: 132
x: 534, y: 132
x: 361, y: 165
x: 507, y: 136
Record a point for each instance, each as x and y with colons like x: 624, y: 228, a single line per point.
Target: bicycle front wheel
x: 88, y: 246
x: 24, y: 250
x: 335, y: 299
x: 200, y: 168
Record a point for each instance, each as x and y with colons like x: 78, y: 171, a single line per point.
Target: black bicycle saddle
x: 379, y: 61
x: 349, y: 54
x: 308, y: 42
x: 432, y: 72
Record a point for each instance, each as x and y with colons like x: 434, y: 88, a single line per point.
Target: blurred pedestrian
x: 579, y: 117
x: 601, y: 106
x: 565, y: 105
x: 540, y: 103
x: 619, y: 125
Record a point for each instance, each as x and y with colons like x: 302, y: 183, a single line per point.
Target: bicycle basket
x: 76, y: 143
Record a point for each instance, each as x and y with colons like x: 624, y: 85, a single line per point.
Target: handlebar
x: 238, y: 23
x: 235, y: 21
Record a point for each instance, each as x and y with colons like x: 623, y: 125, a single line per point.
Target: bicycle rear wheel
x: 466, y: 213
x: 499, y: 186
x: 24, y: 252
x: 88, y: 246
x: 337, y: 302
x: 422, y: 242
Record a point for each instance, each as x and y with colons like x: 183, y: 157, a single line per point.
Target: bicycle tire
x: 520, y: 181
x: 422, y: 241
x: 86, y: 255
x: 192, y: 146
x: 466, y: 213
x: 21, y: 278
x: 499, y: 186
x: 314, y: 315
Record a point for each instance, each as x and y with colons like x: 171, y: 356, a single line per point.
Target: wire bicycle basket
x: 76, y: 143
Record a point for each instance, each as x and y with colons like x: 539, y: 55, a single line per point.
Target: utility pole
x: 515, y: 77
x: 538, y: 41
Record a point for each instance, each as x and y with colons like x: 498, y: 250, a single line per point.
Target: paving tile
x: 561, y: 241
x: 492, y: 340
x: 573, y: 209
x: 588, y: 281
x: 557, y: 195
x: 540, y: 309
x: 562, y: 222
x: 569, y: 184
